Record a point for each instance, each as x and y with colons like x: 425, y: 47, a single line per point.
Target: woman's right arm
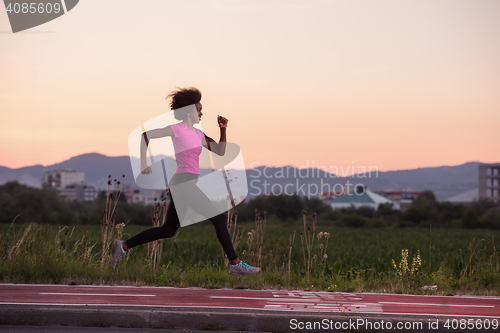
x: 148, y: 135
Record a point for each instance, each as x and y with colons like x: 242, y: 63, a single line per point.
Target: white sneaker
x: 242, y: 268
x: 116, y: 252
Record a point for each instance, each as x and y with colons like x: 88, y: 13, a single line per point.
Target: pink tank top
x: 187, y: 147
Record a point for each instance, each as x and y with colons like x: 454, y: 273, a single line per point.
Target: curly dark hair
x: 182, y: 97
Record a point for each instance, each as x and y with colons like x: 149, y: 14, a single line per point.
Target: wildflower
x: 320, y: 235
x: 416, y: 263
x: 325, y: 256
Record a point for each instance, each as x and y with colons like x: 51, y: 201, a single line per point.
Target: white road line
x: 293, y: 303
x: 444, y: 304
x: 272, y: 299
x: 241, y: 297
x: 232, y: 308
x: 282, y: 293
x: 87, y: 294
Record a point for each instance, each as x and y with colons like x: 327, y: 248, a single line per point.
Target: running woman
x: 188, y: 142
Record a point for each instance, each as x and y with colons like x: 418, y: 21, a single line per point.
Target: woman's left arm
x: 210, y: 144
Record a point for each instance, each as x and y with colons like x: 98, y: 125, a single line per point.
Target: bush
x: 41, y: 205
x: 46, y: 206
x: 469, y: 219
x: 415, y: 215
x: 282, y: 207
x: 354, y: 221
x: 376, y: 222
x: 481, y: 206
x: 490, y: 219
x: 365, y: 211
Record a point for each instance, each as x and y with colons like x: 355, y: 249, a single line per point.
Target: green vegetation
x: 295, y: 250
x: 424, y: 212
x: 45, y: 206
x: 458, y: 261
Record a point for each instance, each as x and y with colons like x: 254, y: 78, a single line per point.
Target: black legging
x: 191, y: 196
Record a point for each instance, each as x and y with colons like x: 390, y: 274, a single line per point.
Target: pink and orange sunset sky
x: 393, y: 84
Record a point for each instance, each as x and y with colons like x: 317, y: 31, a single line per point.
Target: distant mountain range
x: 445, y: 181
x: 96, y: 167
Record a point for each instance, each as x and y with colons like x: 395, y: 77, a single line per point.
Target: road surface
x: 223, y: 308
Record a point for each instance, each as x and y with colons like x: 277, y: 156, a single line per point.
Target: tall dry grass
x: 108, y: 222
x: 47, y: 254
x: 158, y: 217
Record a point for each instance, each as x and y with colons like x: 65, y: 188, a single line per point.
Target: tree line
x: 26, y: 204
x: 45, y: 205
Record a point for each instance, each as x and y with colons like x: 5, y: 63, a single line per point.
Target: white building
x: 69, y: 183
x: 362, y: 197
x: 403, y: 198
x: 79, y: 192
x: 59, y: 179
x: 489, y: 182
x: 146, y: 198
x: 466, y: 198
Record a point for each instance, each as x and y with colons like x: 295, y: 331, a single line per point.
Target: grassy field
x: 322, y: 258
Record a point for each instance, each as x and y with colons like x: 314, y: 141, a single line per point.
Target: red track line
x: 251, y: 299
